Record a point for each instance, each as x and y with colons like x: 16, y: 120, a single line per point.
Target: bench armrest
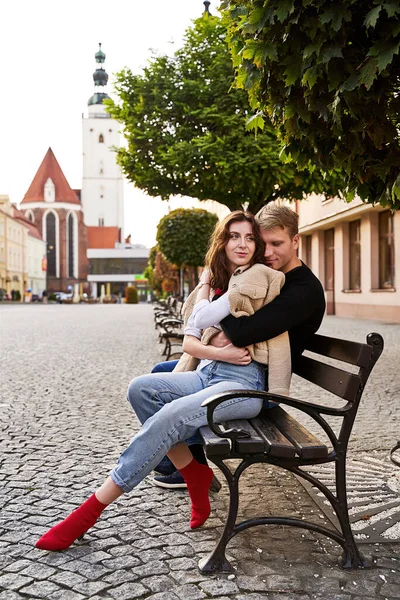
x: 314, y: 410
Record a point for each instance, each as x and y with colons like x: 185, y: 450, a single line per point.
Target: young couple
x: 253, y: 312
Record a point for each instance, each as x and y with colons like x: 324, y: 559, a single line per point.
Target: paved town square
x: 64, y: 371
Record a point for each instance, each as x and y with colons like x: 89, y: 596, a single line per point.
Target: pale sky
x: 47, y: 61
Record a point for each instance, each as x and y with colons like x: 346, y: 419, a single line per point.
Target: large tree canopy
x: 183, y: 235
x: 328, y: 76
x: 185, y: 130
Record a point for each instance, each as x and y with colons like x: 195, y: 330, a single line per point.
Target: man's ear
x: 296, y: 241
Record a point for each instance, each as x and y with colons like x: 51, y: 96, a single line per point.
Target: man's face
x: 280, y: 249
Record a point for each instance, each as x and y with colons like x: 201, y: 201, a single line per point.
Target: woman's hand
x: 205, y: 277
x: 234, y: 355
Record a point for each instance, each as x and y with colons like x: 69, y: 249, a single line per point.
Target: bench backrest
x: 342, y: 383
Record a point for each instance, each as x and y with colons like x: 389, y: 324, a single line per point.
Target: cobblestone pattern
x: 63, y: 422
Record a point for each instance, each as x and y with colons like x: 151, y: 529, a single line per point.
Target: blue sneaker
x: 165, y: 467
x: 172, y: 481
x: 176, y: 481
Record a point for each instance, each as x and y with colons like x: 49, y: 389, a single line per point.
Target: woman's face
x: 241, y: 246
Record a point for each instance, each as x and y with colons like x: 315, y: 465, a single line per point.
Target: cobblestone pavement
x: 63, y: 422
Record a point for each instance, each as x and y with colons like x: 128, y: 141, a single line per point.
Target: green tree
x: 185, y: 130
x: 327, y: 75
x: 183, y: 236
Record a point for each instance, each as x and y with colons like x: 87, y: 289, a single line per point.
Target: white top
x: 206, y: 314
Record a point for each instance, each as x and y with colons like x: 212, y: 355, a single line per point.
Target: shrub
x: 131, y: 295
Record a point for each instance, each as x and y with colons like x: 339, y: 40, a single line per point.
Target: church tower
x: 102, y: 183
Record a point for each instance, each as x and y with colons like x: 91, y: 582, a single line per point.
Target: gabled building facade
x: 55, y: 208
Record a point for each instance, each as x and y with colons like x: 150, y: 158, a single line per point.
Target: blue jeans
x: 169, y: 407
x: 164, y: 367
x: 167, y: 366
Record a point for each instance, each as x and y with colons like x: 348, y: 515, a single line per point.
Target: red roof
x: 32, y: 229
x: 50, y: 168
x: 102, y: 237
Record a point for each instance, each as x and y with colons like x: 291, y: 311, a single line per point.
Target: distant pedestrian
x: 44, y: 296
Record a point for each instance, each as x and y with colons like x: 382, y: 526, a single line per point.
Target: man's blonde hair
x: 271, y: 216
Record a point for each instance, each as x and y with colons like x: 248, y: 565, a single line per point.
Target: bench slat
x: 251, y: 445
x: 214, y: 445
x: 307, y: 445
x: 335, y: 380
x: 353, y: 353
x: 276, y: 444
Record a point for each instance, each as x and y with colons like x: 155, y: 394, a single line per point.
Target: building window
x: 51, y: 244
x: 355, y: 255
x: 101, y: 222
x: 101, y: 139
x: 117, y: 266
x: 329, y: 236
x: 70, y: 225
x: 307, y: 240
x: 386, y: 250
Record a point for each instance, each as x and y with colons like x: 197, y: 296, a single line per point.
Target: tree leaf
x: 368, y: 72
x: 331, y: 52
x: 284, y: 8
x: 372, y: 17
x: 255, y: 122
x: 350, y: 84
x: 315, y: 47
x: 396, y: 188
x: 310, y: 77
x: 384, y: 52
x: 335, y: 15
x: 292, y: 73
x: 392, y: 8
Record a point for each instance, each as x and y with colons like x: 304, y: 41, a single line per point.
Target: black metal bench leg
x: 165, y: 350
x: 351, y: 557
x: 217, y: 561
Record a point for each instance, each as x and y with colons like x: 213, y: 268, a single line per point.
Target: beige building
x: 3, y: 268
x: 36, y: 262
x: 15, y: 245
x: 353, y: 248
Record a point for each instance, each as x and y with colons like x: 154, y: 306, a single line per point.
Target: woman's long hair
x: 216, y: 260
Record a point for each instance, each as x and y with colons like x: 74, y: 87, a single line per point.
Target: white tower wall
x: 102, y: 183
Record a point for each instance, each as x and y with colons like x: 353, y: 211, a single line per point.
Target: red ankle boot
x: 198, y: 478
x: 61, y: 536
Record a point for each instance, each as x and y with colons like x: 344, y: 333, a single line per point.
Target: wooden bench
x: 167, y: 319
x: 172, y: 336
x: 275, y: 437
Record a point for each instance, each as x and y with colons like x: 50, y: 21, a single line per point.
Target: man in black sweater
x: 298, y: 309
x: 300, y: 306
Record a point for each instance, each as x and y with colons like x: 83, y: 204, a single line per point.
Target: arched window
x: 51, y: 244
x: 71, y: 241
x: 101, y: 139
x: 29, y: 215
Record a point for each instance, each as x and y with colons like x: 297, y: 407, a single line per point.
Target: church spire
x: 207, y: 7
x: 100, y: 78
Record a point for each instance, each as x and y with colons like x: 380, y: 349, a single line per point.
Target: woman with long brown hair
x: 174, y: 399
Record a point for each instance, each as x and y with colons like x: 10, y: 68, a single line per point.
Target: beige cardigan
x: 249, y: 289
